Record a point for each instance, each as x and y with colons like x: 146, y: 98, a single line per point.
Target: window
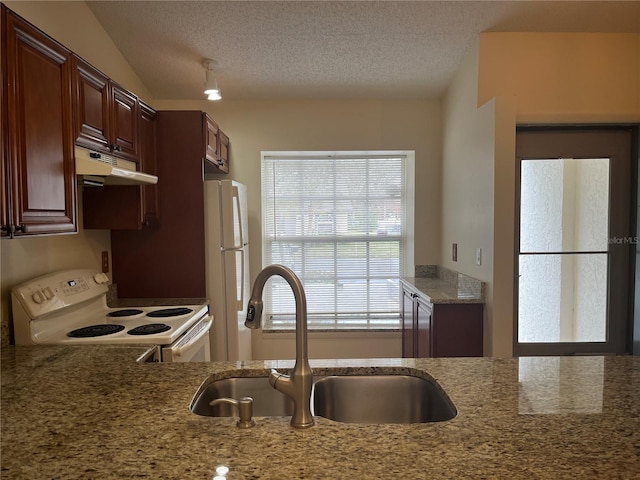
x: 341, y: 222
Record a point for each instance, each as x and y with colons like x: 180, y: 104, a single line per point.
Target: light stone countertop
x: 442, y: 285
x: 92, y: 412
x: 440, y: 291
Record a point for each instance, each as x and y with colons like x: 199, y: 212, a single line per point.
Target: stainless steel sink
x: 267, y: 402
x: 381, y: 399
x: 373, y: 399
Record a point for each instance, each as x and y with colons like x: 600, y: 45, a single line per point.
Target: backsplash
x: 459, y: 280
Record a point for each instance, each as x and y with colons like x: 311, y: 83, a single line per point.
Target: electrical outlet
x: 105, y: 262
x: 478, y: 256
x: 454, y: 252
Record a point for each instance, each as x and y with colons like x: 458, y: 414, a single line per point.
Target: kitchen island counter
x: 93, y: 412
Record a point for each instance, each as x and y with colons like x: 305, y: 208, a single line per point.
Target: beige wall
x: 501, y: 327
x: 525, y: 78
x: 73, y: 25
x: 464, y: 190
x: 252, y: 127
x: 563, y: 77
x: 276, y: 346
x: 332, y: 125
x: 468, y: 202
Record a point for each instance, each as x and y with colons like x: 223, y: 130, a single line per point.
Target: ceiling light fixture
x: 211, y: 89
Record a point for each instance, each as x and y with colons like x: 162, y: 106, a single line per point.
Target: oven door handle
x: 203, y: 331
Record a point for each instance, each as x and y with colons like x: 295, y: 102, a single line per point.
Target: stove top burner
x: 169, y: 312
x: 149, y: 329
x: 95, y: 330
x: 127, y: 312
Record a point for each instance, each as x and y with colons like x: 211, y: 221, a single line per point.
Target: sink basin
x: 381, y: 399
x: 267, y: 402
x: 373, y: 399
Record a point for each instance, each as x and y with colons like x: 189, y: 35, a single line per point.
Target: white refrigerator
x: 227, y: 257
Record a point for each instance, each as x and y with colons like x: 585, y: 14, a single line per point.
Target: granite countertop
x: 441, y: 285
x: 92, y: 412
x: 439, y: 291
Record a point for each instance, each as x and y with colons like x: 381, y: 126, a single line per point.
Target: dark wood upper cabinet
x: 210, y: 136
x: 106, y: 115
x: 39, y: 185
x: 128, y: 207
x: 149, y: 164
x: 124, y: 122
x: 224, y: 152
x: 92, y: 123
x: 216, y: 146
x: 4, y: 134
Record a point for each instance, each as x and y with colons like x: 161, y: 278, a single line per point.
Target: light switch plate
x: 478, y: 256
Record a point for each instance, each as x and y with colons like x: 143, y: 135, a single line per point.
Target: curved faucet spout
x: 299, y: 383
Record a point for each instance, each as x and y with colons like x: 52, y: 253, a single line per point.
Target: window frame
x: 369, y: 321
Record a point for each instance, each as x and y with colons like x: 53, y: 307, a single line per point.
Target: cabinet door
x: 223, y: 142
x: 127, y: 207
x: 211, y: 140
x: 149, y: 164
x: 408, y: 328
x: 91, y: 107
x: 124, y: 122
x: 106, y: 115
x: 457, y: 330
x: 4, y: 190
x: 423, y: 314
x: 41, y: 162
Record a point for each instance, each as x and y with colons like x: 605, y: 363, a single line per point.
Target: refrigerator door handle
x: 238, y: 221
x: 240, y: 298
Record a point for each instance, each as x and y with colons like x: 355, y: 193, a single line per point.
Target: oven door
x: 193, y: 346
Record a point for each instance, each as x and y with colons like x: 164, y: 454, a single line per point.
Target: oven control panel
x: 57, y: 290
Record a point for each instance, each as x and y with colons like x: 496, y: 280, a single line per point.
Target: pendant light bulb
x: 211, y: 84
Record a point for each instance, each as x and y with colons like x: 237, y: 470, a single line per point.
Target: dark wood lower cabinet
x: 440, y: 329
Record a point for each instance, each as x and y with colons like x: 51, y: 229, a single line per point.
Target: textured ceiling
x: 328, y: 49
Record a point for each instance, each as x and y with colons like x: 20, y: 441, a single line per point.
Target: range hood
x: 97, y: 169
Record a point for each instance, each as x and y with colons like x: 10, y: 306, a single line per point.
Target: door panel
x: 408, y: 327
x: 572, y: 278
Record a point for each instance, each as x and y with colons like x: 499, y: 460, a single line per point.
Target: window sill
x: 289, y: 326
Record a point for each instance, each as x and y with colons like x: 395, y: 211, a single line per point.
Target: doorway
x: 573, y: 240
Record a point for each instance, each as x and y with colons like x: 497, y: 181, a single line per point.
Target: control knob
x: 100, y: 278
x: 38, y: 297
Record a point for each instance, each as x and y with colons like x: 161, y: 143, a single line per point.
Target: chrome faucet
x: 297, y: 385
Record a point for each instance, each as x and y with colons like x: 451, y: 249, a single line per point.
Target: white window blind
x: 337, y: 222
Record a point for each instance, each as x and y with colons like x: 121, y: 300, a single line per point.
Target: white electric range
x: 70, y: 308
